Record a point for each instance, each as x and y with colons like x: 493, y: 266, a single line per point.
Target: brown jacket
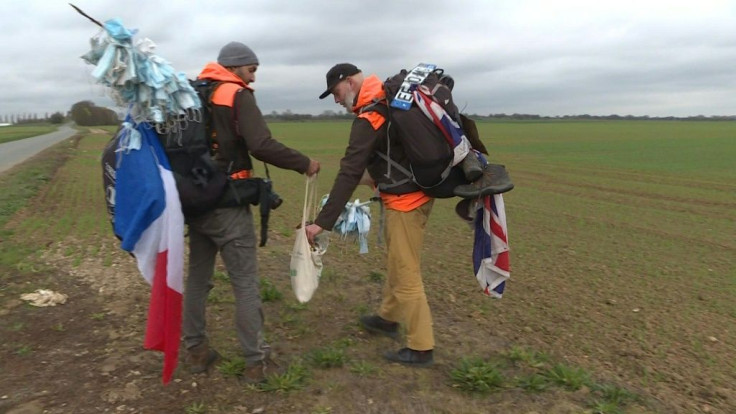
x: 233, y: 151
x: 368, y: 135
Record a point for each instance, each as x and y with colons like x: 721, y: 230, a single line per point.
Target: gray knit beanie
x: 236, y: 54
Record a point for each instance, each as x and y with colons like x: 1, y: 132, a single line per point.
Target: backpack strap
x: 265, y: 189
x: 397, y: 166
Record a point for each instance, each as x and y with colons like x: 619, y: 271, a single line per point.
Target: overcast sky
x: 656, y: 58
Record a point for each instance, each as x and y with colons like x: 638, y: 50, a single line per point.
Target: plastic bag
x: 305, y: 268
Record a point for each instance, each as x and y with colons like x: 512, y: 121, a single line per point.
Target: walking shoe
x: 200, y: 358
x: 462, y: 208
x: 495, y: 180
x: 377, y: 325
x: 259, y: 371
x: 410, y: 357
x: 471, y: 166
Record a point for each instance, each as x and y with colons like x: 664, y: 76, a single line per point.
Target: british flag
x: 453, y: 132
x: 491, y: 247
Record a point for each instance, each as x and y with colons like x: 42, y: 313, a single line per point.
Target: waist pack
x: 252, y: 191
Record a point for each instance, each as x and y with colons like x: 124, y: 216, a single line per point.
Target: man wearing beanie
x: 239, y: 133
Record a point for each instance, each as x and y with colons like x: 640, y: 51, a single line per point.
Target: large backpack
x: 430, y: 149
x: 201, y: 185
x: 188, y: 145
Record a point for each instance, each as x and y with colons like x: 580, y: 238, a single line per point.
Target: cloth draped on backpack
x: 150, y: 225
x: 491, y: 246
x: 454, y: 134
x: 146, y: 211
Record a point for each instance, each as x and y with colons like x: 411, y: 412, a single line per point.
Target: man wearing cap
x: 239, y: 132
x: 407, y: 211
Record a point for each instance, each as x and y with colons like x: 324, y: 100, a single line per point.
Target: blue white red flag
x: 150, y: 223
x: 491, y: 247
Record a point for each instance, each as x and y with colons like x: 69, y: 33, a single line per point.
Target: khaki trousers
x: 404, y: 300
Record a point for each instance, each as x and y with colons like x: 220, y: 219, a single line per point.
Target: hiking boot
x: 462, y: 208
x: 495, y: 180
x: 471, y: 166
x: 379, y: 326
x: 200, y: 358
x: 410, y: 357
x: 259, y: 371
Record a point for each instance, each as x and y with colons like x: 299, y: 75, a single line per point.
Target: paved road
x: 15, y: 152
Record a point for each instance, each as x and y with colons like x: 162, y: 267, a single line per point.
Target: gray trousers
x: 229, y: 231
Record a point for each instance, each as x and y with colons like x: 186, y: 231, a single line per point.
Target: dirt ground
x: 86, y: 356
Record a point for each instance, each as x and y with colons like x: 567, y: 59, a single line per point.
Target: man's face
x: 344, y: 94
x: 246, y: 73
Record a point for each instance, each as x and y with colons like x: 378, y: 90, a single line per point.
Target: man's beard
x: 347, y: 101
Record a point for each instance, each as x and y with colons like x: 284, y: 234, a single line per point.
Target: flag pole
x: 86, y: 15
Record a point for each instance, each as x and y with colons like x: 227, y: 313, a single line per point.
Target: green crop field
x: 621, y: 297
x: 16, y: 132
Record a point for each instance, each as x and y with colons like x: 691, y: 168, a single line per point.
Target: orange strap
x: 405, y: 202
x: 374, y: 118
x: 241, y: 175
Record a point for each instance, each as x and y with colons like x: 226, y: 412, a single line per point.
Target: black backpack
x: 430, y: 156
x: 201, y: 185
x: 188, y: 145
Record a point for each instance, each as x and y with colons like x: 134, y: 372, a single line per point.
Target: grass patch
x: 233, y: 367
x: 611, y: 399
x: 196, y: 408
x: 363, y: 368
x: 269, y: 292
x: 98, y: 316
x: 533, y: 383
x: 529, y: 357
x: 376, y: 277
x: 328, y: 357
x: 24, y: 350
x: 571, y: 378
x: 476, y: 376
x: 220, y: 276
x: 295, y: 378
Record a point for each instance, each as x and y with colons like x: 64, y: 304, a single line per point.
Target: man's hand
x: 312, y: 231
x: 313, y: 167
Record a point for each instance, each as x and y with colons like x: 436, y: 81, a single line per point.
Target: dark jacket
x: 369, y: 133
x: 234, y: 99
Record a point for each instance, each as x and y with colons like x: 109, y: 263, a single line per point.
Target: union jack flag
x: 453, y: 132
x: 491, y: 247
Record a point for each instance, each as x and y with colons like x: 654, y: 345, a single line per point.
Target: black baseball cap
x: 336, y: 74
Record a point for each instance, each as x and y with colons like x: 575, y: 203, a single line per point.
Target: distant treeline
x: 332, y: 115
x: 605, y: 117
x: 26, y: 118
x: 86, y: 113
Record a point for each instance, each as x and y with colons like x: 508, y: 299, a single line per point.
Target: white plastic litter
x: 44, y: 297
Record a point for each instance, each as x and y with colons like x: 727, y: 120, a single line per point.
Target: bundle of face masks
x: 354, y: 221
x: 138, y: 78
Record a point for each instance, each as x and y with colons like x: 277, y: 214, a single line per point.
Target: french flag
x: 491, y: 247
x: 150, y: 223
